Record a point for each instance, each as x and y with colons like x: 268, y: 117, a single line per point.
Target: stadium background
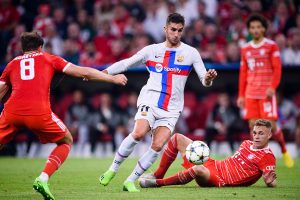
x: 97, y: 33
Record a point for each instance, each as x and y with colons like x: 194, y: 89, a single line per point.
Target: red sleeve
x: 5, y: 75
x: 243, y: 75
x: 276, y: 64
x: 58, y: 63
x: 267, y: 163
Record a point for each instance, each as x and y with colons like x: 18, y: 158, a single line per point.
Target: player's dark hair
x: 263, y: 122
x: 259, y: 18
x: 175, y: 18
x: 31, y: 41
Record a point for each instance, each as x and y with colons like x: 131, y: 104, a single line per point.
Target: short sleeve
x: 267, y: 163
x: 59, y: 63
x: 275, y: 51
x: 4, y: 79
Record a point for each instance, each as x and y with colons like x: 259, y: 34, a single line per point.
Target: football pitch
x: 78, y: 179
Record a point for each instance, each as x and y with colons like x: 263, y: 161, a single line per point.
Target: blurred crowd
x: 106, y: 119
x: 98, y: 32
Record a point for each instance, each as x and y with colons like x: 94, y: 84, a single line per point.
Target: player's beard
x: 173, y: 41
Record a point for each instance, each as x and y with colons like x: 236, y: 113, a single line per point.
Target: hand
x: 120, y: 79
x: 270, y: 93
x: 269, y: 177
x: 240, y: 102
x: 210, y: 75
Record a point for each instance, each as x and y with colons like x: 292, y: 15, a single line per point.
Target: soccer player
x: 29, y: 77
x: 253, y: 159
x: 161, y: 100
x: 260, y: 75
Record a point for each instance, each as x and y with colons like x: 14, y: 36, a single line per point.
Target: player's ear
x: 165, y: 28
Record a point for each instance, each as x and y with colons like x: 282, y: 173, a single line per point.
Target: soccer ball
x: 197, y: 152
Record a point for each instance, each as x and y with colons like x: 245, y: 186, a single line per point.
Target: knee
x: 199, y: 170
x: 157, y: 146
x: 138, y: 135
x: 68, y: 139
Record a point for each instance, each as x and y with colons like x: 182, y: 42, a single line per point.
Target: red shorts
x: 261, y: 109
x: 214, y: 180
x: 49, y: 128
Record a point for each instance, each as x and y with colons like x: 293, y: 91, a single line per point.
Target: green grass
x: 78, y: 179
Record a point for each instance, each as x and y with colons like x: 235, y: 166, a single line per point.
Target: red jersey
x: 260, y: 69
x: 30, y: 76
x: 246, y: 166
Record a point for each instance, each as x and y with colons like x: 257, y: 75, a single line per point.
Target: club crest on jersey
x: 180, y: 58
x: 251, y: 156
x: 158, y: 67
x: 144, y: 113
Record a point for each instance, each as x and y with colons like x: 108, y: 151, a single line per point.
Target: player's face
x: 257, y: 30
x: 173, y: 33
x: 261, y: 136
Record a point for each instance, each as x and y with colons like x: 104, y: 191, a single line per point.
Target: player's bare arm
x: 270, y: 179
x: 3, y: 89
x: 210, y: 75
x: 92, y: 74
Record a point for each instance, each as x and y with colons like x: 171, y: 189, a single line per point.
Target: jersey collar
x: 257, y: 45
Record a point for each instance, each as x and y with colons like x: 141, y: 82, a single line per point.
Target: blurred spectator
x: 212, y: 46
x: 135, y: 9
x: 283, y: 19
x: 194, y: 34
x: 86, y: 29
x: 48, y: 48
x: 90, y: 57
x: 189, y: 9
x: 232, y: 53
x: 291, y: 55
x: 139, y: 42
x: 211, y: 7
x: 153, y: 24
x: 71, y: 51
x: 60, y: 22
x: 77, y: 120
x: 106, y: 121
x: 237, y: 32
x: 9, y: 17
x: 129, y: 113
x: 75, y: 6
x: 225, y: 120
x: 103, y: 10
x: 74, y: 35
x: 118, y: 51
x: 287, y: 116
x: 43, y: 20
x: 103, y: 40
x: 120, y: 20
x: 202, y: 13
x: 54, y: 39
x: 14, y: 46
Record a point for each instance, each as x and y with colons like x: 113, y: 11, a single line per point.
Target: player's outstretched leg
x: 123, y: 152
x: 129, y: 186
x: 42, y: 187
x: 107, y: 177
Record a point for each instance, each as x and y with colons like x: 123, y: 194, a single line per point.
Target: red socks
x: 278, y: 136
x: 168, y: 156
x: 56, y: 158
x: 180, y: 178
